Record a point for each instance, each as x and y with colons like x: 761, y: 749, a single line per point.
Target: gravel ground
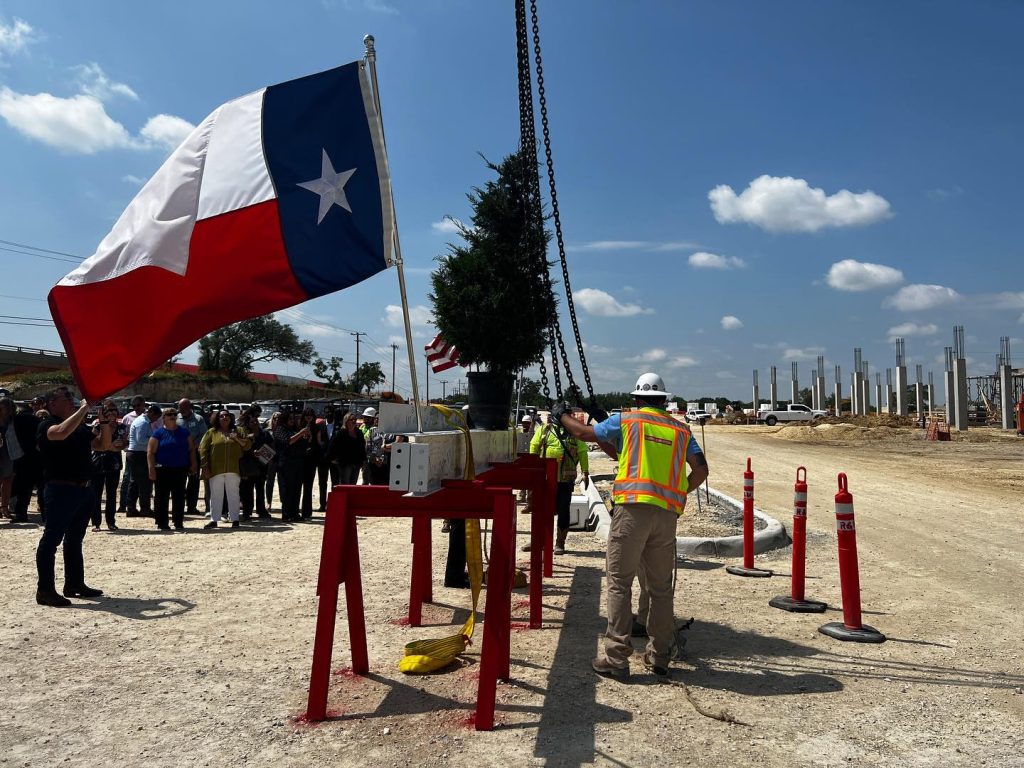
x: 199, y: 654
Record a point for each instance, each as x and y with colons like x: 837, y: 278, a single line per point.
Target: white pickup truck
x: 793, y: 412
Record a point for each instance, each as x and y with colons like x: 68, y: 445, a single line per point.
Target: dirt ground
x: 199, y: 655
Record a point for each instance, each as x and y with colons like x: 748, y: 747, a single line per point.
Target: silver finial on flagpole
x: 368, y: 41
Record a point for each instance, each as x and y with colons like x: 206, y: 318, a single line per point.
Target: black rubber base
x: 739, y: 570
x: 840, y: 631
x: 787, y: 603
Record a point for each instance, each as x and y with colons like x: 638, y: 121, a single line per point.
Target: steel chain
x: 542, y: 98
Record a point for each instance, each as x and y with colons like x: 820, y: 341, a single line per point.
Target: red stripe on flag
x: 116, y: 330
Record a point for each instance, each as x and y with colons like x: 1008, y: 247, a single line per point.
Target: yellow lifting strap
x: 423, y: 656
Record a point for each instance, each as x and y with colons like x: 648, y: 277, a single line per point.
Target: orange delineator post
x: 339, y: 563
x: 851, y: 627
x: 748, y: 569
x: 795, y: 602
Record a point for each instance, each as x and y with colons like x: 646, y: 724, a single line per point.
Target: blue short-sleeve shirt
x: 172, y: 447
x: 610, y: 431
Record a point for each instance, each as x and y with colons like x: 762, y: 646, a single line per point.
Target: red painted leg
x: 420, y: 531
x: 504, y: 529
x: 354, y: 598
x: 537, y: 558
x: 327, y: 610
x: 428, y: 560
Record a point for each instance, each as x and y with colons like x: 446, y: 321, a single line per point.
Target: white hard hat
x: 650, y: 385
x: 527, y: 417
x: 370, y: 412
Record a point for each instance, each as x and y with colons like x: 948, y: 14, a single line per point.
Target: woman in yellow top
x: 553, y: 442
x: 219, y: 453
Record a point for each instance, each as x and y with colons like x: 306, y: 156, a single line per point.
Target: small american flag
x: 441, y: 355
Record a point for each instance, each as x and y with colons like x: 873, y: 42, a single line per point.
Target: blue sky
x: 741, y: 184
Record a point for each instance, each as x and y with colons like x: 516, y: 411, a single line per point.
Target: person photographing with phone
x: 65, y: 446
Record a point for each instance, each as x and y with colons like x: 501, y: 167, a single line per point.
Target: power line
x: 22, y: 317
x: 20, y: 298
x: 40, y: 255
x: 44, y: 250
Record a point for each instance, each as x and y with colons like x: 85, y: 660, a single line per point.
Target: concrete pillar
x: 950, y: 397
x: 821, y: 392
x: 839, y: 399
x: 773, y: 399
x: 960, y: 394
x: 919, y: 398
x: 757, y: 398
x: 1006, y: 404
x: 865, y: 395
x: 878, y: 398
x: 931, y: 397
x: 902, y: 406
x: 815, y: 394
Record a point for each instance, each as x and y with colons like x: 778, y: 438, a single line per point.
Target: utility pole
x: 357, y: 334
x: 394, y: 348
x: 444, y: 387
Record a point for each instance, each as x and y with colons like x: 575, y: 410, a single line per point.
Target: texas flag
x: 275, y: 198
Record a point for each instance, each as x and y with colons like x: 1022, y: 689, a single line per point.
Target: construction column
x: 855, y: 382
x: 901, y: 379
x: 794, y: 388
x: 878, y: 393
x: 839, y: 392
x: 888, y: 390
x: 757, y: 395
x: 773, y: 391
x: 819, y: 382
x: 1006, y: 404
x: 919, y: 391
x: 959, y: 379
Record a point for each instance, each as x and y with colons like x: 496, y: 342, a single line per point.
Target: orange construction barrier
x: 748, y: 569
x: 795, y: 601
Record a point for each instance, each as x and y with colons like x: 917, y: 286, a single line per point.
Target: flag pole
x: 371, y: 61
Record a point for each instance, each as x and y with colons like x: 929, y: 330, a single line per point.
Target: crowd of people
x: 158, y: 463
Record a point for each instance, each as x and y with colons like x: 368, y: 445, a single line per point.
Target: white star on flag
x: 330, y: 186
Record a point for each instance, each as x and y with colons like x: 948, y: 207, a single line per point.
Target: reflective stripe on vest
x: 652, y: 462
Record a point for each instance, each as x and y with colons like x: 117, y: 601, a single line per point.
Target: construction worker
x: 650, y: 494
x: 552, y: 441
x: 1020, y: 416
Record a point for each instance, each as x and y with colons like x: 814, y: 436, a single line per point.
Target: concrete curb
x: 772, y: 537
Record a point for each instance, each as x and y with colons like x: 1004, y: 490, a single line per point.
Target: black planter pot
x: 490, y: 398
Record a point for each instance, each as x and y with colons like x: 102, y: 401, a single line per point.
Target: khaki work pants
x: 642, y: 536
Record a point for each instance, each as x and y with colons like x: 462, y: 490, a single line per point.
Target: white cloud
x: 912, y: 329
x: 378, y: 6
x: 704, y: 260
x: 1005, y: 300
x: 850, y: 275
x: 1020, y: 320
x: 399, y: 340
x: 650, y: 356
x: 166, y: 131
x: 79, y: 124
x: 137, y: 181
x: 731, y: 323
x: 945, y: 193
x: 313, y: 329
x: 916, y: 297
x: 807, y: 353
x: 446, y: 226
x: 681, y: 361
x: 15, y: 37
x: 725, y: 375
x: 601, y: 304
x: 597, y: 349
x: 93, y: 81
x: 633, y: 245
x: 418, y: 315
x: 785, y: 204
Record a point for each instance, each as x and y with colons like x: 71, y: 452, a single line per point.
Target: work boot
x: 50, y: 597
x: 560, y: 541
x: 605, y: 668
x: 638, y: 630
x: 658, y: 669
x: 81, y: 591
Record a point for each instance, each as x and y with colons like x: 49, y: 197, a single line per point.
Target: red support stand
x: 851, y: 628
x: 540, y: 477
x: 339, y: 563
x: 795, y: 602
x: 748, y: 569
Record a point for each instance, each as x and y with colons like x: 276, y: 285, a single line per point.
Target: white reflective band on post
x: 748, y: 482
x: 844, y: 509
x: 845, y: 525
x: 800, y: 497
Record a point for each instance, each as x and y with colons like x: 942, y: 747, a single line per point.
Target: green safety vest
x: 652, y: 462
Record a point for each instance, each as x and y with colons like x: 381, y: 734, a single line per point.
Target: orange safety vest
x: 652, y: 462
